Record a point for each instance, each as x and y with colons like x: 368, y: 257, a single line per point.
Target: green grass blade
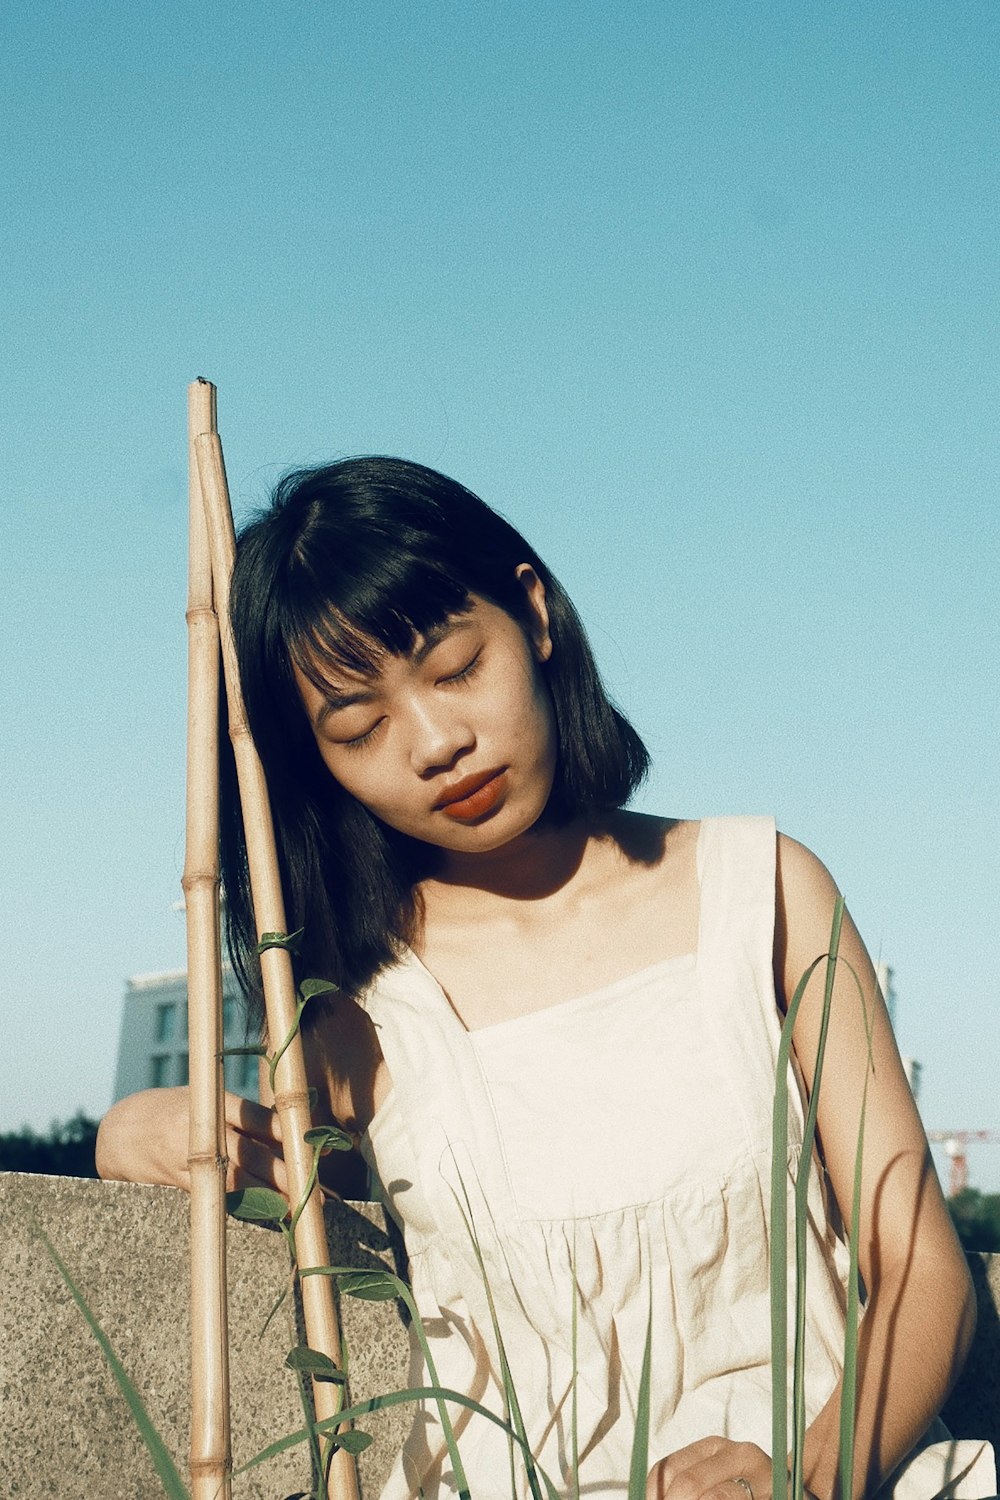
x: 801, y: 1211
x: 639, y: 1466
x: 378, y: 1403
x: 779, y: 1243
x: 166, y: 1470
x: 574, y: 1413
x: 849, y: 1387
x: 312, y: 1437
x: 277, y: 1303
x: 380, y: 1286
x: 458, y: 1468
x: 511, y: 1402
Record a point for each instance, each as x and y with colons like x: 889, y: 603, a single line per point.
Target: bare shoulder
x: 805, y: 893
x: 342, y: 1060
x: 804, y: 884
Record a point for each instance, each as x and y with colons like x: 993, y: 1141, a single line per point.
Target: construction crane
x: 955, y: 1143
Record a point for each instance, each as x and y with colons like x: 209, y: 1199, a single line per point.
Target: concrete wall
x: 64, y: 1428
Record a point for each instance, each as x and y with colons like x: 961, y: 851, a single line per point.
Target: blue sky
x: 703, y: 296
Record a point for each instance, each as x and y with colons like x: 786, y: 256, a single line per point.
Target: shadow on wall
x: 126, y: 1247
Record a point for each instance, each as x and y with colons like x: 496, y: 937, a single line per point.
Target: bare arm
x: 920, y: 1315
x: 144, y: 1138
x: 921, y: 1309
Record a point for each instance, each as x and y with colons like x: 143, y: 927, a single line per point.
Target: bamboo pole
x: 291, y: 1096
x: 211, y: 1451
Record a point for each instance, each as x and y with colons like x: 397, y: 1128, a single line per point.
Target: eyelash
x: 466, y: 672
x: 462, y: 675
x: 362, y: 739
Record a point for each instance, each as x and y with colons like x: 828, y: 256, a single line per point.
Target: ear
x: 538, y: 614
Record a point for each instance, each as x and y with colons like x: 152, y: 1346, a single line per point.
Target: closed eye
x: 465, y: 672
x: 360, y: 740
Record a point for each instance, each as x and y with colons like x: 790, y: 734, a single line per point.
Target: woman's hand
x: 714, y: 1468
x: 144, y: 1138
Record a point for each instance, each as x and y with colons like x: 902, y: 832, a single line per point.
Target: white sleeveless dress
x: 664, y: 1202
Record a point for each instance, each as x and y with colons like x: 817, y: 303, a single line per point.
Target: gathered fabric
x: 593, y: 1226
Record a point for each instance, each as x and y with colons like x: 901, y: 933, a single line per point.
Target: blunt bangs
x: 335, y: 620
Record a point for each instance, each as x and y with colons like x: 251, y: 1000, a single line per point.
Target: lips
x: 473, y: 796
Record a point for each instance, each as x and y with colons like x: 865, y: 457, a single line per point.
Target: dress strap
x: 736, y: 871
x: 438, y: 1092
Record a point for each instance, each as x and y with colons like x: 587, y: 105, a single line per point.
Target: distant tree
x: 976, y: 1216
x: 67, y: 1150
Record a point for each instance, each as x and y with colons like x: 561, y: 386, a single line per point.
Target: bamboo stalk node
x: 290, y: 1099
x: 239, y: 732
x: 211, y: 1449
x: 215, y: 529
x: 207, y: 1468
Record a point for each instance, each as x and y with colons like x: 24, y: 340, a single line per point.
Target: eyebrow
x: 433, y: 636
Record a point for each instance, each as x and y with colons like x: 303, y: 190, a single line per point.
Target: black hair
x: 352, y: 559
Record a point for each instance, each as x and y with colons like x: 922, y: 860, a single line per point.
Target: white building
x: 883, y: 973
x: 153, y: 1045
x: 911, y: 1065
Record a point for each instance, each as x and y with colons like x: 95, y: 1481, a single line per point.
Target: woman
x: 557, y: 1021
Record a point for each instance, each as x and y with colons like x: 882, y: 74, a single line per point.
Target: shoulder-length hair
x: 350, y: 560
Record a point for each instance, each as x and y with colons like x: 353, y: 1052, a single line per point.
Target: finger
x: 253, y: 1119
x: 238, y: 1180
x: 668, y: 1470
x: 708, y: 1470
x: 249, y: 1158
x: 715, y: 1476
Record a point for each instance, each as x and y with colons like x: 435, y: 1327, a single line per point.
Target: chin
x: 494, y: 833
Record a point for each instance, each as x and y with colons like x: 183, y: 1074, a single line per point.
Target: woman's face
x: 454, y: 744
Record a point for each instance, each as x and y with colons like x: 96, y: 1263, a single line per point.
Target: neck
x: 537, y: 864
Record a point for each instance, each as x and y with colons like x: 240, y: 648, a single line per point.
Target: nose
x: 439, y: 735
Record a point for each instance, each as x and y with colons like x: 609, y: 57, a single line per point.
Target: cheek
x: 349, y: 774
x: 538, y: 733
x: 544, y: 707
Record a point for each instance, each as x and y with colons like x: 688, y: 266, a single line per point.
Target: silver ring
x: 744, y: 1485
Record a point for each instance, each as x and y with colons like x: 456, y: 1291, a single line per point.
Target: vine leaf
x: 312, y: 987
x: 257, y: 1205
x: 370, y: 1286
x: 290, y: 941
x: 329, y: 1138
x: 315, y: 1363
x: 308, y: 989
x: 353, y: 1442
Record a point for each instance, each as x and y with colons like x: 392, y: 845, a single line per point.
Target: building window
x: 182, y: 1067
x: 158, y: 1072
x: 165, y: 1017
